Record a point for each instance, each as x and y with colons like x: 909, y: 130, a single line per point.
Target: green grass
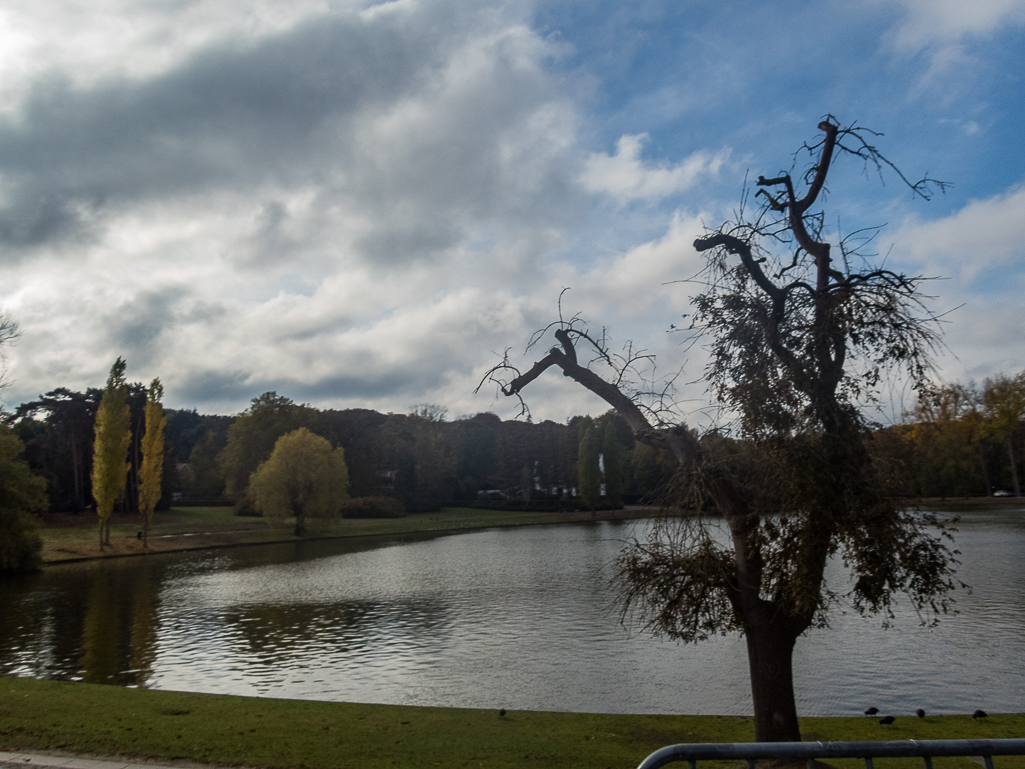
x: 189, y: 516
x: 108, y: 720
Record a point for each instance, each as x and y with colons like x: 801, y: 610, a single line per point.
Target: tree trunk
x: 770, y: 650
x: 300, y: 521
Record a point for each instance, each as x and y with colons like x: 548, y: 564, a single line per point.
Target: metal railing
x: 809, y: 751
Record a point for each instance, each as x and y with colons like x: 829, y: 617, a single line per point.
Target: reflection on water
x: 515, y: 618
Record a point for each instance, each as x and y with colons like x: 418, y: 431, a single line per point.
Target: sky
x: 363, y: 205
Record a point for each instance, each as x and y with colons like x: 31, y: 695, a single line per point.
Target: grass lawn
x: 69, y: 537
x: 109, y: 720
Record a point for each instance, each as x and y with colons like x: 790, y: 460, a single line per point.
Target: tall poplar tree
x: 152, y: 471
x: 588, y: 472
x: 110, y: 448
x: 612, y: 461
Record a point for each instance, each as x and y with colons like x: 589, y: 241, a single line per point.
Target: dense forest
x: 959, y: 440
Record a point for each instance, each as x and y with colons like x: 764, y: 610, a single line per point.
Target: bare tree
x: 798, y: 344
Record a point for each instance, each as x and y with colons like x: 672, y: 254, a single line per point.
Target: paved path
x: 22, y: 760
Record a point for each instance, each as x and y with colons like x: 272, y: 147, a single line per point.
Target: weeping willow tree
x: 304, y: 477
x: 802, y: 332
x: 110, y: 447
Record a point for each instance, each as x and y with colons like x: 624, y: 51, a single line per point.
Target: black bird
x: 920, y: 713
x: 871, y: 711
x: 887, y: 720
x: 979, y: 714
x: 501, y: 713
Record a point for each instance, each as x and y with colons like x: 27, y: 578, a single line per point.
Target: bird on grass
x: 979, y: 714
x: 887, y: 720
x: 920, y: 713
x: 501, y: 713
x: 871, y: 711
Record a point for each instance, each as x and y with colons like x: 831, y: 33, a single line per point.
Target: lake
x: 517, y: 618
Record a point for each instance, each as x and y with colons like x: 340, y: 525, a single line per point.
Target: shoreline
x: 184, y: 529
x: 215, y: 528
x: 969, y: 501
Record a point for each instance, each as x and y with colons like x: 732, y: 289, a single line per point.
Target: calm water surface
x: 515, y: 618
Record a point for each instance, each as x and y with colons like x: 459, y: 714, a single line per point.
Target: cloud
x: 647, y: 276
x: 135, y: 326
x: 113, y: 39
x: 403, y: 116
x: 624, y: 176
x: 983, y: 236
x: 929, y: 22
x: 365, y: 204
x: 304, y: 207
x: 952, y: 35
x: 979, y: 252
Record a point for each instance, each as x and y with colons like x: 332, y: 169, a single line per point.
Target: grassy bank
x: 108, y: 720
x: 70, y: 538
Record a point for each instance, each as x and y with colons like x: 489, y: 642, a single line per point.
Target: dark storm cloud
x: 46, y: 215
x: 421, y: 127
x: 211, y: 389
x: 403, y: 241
x: 133, y: 328
x: 214, y: 387
x: 361, y: 386
x: 233, y: 114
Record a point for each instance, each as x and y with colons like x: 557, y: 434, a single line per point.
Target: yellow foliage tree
x: 1004, y: 402
x: 304, y: 478
x: 110, y: 448
x: 152, y: 472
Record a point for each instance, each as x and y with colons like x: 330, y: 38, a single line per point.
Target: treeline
x: 419, y: 458
x: 961, y: 440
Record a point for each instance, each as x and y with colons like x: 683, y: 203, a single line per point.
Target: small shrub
x: 373, y: 507
x: 20, y: 544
